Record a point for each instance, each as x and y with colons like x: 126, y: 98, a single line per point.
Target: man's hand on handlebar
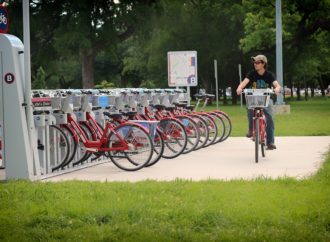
x: 277, y: 90
x: 239, y: 91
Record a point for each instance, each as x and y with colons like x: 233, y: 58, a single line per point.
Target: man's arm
x: 277, y: 87
x: 242, y: 85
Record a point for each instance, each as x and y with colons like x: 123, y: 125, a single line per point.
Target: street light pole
x: 279, y: 56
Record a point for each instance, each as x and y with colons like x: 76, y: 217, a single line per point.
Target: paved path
x: 234, y: 159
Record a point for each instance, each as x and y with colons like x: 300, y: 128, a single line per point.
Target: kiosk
x: 17, y: 153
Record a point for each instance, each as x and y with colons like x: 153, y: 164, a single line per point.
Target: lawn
x: 261, y: 210
x: 307, y: 118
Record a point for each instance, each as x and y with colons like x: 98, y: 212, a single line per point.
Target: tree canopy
x: 125, y: 43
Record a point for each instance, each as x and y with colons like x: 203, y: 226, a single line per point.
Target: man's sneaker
x: 271, y: 147
x: 249, y: 134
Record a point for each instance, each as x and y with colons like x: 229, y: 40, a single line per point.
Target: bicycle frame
x: 258, y: 113
x: 100, y: 144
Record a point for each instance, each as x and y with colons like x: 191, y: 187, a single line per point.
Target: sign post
x: 182, y: 69
x: 216, y: 82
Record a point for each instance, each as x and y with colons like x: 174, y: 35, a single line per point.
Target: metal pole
x: 216, y: 82
x: 188, y: 92
x: 27, y: 82
x: 27, y: 63
x: 279, y: 57
x: 240, y: 80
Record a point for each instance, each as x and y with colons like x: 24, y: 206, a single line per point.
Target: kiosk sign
x: 4, y: 20
x: 182, y: 68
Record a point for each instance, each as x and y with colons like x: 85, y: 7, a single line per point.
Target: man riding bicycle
x: 261, y: 78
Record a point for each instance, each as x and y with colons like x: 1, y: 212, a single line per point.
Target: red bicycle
x: 128, y: 145
x: 257, y: 100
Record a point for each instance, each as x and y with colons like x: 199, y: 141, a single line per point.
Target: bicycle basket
x: 257, y: 98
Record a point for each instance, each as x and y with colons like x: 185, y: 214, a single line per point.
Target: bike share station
x: 34, y: 150
x: 37, y: 149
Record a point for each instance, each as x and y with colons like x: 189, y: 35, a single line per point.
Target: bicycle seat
x: 170, y: 108
x: 181, y: 105
x: 113, y: 115
x: 199, y: 95
x: 129, y: 113
x: 210, y: 95
x: 159, y: 106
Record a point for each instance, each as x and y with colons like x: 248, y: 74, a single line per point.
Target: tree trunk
x: 312, y: 89
x: 298, y: 93
x: 321, y: 85
x: 306, y: 89
x: 87, y: 69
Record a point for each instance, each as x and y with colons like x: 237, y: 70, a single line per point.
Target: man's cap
x: 259, y: 58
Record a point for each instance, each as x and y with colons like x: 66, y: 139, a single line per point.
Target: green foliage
x: 305, y: 37
x: 126, y: 42
x: 148, y: 84
x: 39, y: 80
x: 105, y: 85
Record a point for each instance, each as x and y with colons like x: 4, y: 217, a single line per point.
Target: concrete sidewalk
x: 297, y: 157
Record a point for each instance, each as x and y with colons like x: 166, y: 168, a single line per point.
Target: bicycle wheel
x: 139, y: 151
x: 227, y: 123
x: 59, y: 147
x: 175, y: 137
x: 82, y: 154
x: 263, y: 137
x: 202, y: 130
x: 212, y: 127
x: 72, y: 143
x: 256, y: 140
x: 98, y: 154
x: 192, y: 133
x: 220, y: 126
x: 158, y: 149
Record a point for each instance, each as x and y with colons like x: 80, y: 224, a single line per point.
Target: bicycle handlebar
x: 267, y: 91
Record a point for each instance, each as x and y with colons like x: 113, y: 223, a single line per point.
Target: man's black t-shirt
x: 260, y: 81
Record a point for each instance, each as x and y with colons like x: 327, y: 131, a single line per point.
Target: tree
x: 90, y: 27
x: 306, y: 26
x: 212, y: 28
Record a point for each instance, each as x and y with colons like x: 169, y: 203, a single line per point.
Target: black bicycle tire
x: 256, y: 140
x: 202, y: 123
x: 221, y: 127
x: 98, y: 154
x: 228, y: 124
x: 210, y: 140
x: 112, y: 157
x: 179, y: 152
x: 194, y: 124
x: 84, y: 157
x: 64, y: 127
x: 263, y: 153
x: 157, y: 158
x: 58, y: 166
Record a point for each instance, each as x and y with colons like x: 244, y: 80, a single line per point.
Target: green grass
x: 261, y: 210
x: 307, y: 118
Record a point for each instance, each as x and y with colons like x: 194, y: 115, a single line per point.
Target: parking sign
x: 4, y: 20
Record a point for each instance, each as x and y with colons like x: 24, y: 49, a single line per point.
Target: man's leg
x: 250, y: 117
